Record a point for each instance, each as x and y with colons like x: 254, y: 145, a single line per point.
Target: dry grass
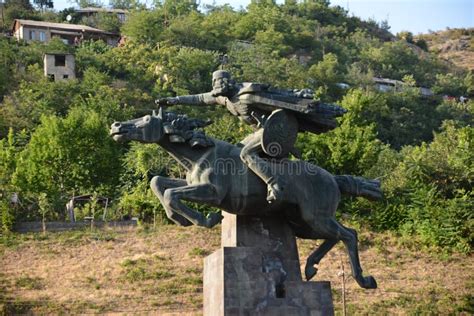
x: 137, y: 271
x: 454, y: 45
x: 410, y: 282
x: 108, y: 271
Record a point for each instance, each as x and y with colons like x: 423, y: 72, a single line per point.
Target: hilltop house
x: 91, y: 12
x: 386, y: 85
x: 29, y: 30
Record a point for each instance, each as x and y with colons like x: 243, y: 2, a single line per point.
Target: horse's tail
x: 358, y: 186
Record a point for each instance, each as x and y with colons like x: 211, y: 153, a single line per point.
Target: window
x: 60, y: 60
x: 32, y: 35
x: 51, y: 77
x: 65, y: 76
x: 42, y: 36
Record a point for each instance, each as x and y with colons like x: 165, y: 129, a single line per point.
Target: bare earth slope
x: 137, y: 271
x: 454, y: 45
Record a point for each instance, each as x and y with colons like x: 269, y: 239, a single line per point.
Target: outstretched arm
x: 195, y: 99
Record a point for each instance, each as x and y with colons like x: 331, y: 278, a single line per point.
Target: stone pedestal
x: 257, y: 272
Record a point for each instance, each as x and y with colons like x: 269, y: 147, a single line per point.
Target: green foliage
x: 105, y: 21
x: 7, y: 217
x: 9, y: 148
x: 396, y: 59
x: 406, y: 36
x: 66, y: 156
x: 325, y: 75
x: 144, y: 269
x: 44, y: 205
x: 349, y: 149
x: 17, y: 9
x: 30, y: 283
x: 450, y: 84
x: 186, y: 70
x: 24, y: 107
x: 255, y: 64
x: 429, y: 192
x: 126, y: 4
x: 144, y: 26
x: 141, y: 163
x: 7, y: 57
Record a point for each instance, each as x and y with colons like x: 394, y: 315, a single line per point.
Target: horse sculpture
x: 217, y: 177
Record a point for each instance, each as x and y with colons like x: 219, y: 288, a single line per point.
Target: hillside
x: 454, y: 45
x: 149, y: 272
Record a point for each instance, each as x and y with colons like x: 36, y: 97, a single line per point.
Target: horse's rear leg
x: 159, y: 185
x: 332, y: 229
x: 309, y: 270
x: 201, y: 193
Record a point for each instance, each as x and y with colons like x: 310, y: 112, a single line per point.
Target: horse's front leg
x: 159, y: 185
x: 200, y: 193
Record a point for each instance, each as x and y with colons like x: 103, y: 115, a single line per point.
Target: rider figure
x: 253, y: 103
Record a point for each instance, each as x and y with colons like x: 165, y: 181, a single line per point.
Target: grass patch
x: 93, y: 282
x: 144, y: 269
x: 30, y: 283
x: 199, y: 252
x: 466, y: 305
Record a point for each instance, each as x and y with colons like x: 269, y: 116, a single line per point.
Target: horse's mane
x: 181, y: 129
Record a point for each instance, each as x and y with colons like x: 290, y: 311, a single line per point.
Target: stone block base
x: 249, y: 281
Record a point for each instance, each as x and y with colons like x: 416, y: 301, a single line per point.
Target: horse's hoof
x: 213, y: 219
x: 310, y: 272
x: 370, y: 283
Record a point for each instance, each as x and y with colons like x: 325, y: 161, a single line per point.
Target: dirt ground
x: 159, y: 271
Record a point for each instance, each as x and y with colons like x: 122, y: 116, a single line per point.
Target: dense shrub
x: 429, y: 191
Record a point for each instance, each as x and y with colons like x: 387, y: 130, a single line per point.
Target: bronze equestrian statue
x: 217, y: 176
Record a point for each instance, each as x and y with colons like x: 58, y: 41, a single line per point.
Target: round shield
x: 279, y: 134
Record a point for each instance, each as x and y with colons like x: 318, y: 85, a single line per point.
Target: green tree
x: 7, y: 59
x: 428, y: 194
x: 104, y: 21
x: 394, y: 60
x: 126, y: 4
x: 70, y: 155
x: 217, y: 27
x: 9, y: 148
x: 260, y: 17
x: 325, y: 75
x: 17, y: 9
x: 185, y: 70
x: 450, y: 84
x: 88, y: 3
x: 469, y: 83
x: 406, y: 36
x: 185, y: 31
x: 24, y: 107
x: 176, y: 8
x: 272, y: 42
x: 144, y: 26
x: 348, y: 149
x: 44, y: 4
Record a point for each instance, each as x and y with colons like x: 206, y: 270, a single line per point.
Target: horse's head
x: 146, y: 129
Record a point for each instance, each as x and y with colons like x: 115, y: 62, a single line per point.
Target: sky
x: 416, y: 16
